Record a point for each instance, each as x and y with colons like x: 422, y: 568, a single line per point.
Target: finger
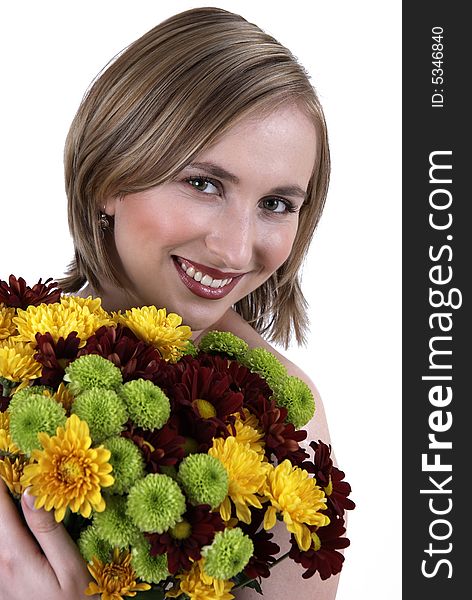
x: 15, y: 540
x: 58, y: 547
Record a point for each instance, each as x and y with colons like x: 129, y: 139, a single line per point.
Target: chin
x: 199, y: 320
x: 198, y: 325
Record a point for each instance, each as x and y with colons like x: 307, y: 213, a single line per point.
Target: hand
x: 41, y: 563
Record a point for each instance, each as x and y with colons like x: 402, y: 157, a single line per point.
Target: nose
x: 231, y: 239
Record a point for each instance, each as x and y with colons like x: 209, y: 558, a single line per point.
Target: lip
x: 214, y: 273
x: 203, y: 291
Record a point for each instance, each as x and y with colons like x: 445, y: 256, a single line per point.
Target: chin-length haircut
x: 165, y: 98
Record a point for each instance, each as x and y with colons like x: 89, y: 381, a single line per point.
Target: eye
x: 203, y: 184
x: 277, y: 205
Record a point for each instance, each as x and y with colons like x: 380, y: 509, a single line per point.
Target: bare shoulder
x: 318, y: 427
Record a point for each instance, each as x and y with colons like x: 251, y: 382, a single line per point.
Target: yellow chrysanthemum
x: 197, y: 585
x: 64, y: 396
x: 7, y: 327
x: 12, y: 472
x: 17, y: 362
x: 7, y: 445
x: 294, y: 494
x: 12, y: 462
x: 68, y: 472
x: 247, y: 473
x: 94, y: 305
x: 116, y: 579
x: 82, y: 315
x: 247, y: 432
x: 155, y: 326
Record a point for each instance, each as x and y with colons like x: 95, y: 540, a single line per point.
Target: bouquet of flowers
x: 168, y: 462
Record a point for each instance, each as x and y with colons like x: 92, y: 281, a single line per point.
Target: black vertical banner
x: 437, y: 255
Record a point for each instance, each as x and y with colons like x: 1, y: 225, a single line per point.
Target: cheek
x: 277, y: 247
x: 149, y: 228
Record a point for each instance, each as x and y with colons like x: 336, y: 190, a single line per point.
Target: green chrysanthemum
x: 92, y: 371
x: 265, y: 364
x: 204, y: 479
x: 127, y: 462
x: 223, y: 341
x: 147, y: 405
x: 295, y: 395
x: 113, y: 524
x: 228, y: 554
x: 28, y: 392
x: 152, y: 569
x: 156, y: 503
x: 103, y: 410
x: 32, y: 414
x: 91, y: 544
x: 190, y: 349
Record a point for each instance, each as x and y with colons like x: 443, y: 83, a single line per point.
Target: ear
x: 109, y: 205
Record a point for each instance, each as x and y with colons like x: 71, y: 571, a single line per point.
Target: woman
x: 196, y: 171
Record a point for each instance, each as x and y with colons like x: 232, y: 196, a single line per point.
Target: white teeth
x: 204, y: 278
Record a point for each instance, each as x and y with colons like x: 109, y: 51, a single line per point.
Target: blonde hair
x: 160, y: 102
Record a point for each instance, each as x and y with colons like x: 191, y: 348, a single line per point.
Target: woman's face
x: 198, y: 244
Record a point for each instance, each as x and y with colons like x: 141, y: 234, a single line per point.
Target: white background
x: 50, y: 51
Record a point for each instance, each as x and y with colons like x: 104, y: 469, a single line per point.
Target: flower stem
x: 283, y: 557
x: 246, y: 583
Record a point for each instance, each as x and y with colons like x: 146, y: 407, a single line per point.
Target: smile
x: 204, y: 281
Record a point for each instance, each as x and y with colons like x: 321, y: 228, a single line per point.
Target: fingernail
x: 29, y: 499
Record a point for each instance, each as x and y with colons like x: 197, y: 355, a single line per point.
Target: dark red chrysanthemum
x: 198, y: 432
x: 55, y: 356
x: 330, y: 478
x: 281, y: 439
x: 203, y: 403
x: 168, y: 374
x: 183, y: 543
x: 4, y: 402
x: 265, y: 551
x: 326, y: 560
x: 17, y: 294
x: 162, y: 448
x: 338, y: 500
x: 251, y: 385
x: 199, y: 382
x: 136, y: 359
x: 322, y: 464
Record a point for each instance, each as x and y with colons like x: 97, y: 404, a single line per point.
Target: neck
x: 113, y: 299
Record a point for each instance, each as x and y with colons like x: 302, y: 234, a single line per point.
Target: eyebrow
x: 217, y: 171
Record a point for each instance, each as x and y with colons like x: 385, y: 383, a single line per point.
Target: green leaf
x: 255, y: 585
x: 153, y: 594
x: 241, y: 581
